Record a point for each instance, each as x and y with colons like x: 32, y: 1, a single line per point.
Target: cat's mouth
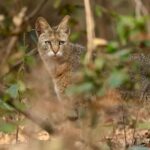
x: 52, y: 54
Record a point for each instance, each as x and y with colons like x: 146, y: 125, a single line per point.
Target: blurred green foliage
x: 112, y: 65
x: 7, y: 127
x: 130, y: 25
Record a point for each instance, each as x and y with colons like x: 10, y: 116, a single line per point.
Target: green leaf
x: 144, y: 125
x: 112, y: 47
x: 22, y: 48
x: 117, y: 78
x: 74, y: 36
x: 7, y: 127
x: 29, y: 60
x: 5, y: 106
x: 13, y: 91
x: 89, y: 73
x: 123, y: 53
x: 98, y: 11
x: 21, y: 85
x: 101, y: 91
x: 20, y: 105
x: 125, y: 26
x: 85, y: 87
x: 146, y: 43
x: 99, y: 63
x: 57, y: 3
x: 82, y: 88
x: 140, y: 23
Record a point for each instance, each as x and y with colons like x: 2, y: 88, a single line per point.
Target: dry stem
x: 90, y: 31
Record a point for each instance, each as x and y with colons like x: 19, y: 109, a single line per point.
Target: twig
x: 36, y: 10
x: 137, y: 114
x: 17, y: 133
x: 9, y: 48
x: 124, y: 126
x: 140, y: 9
x: 19, y: 62
x: 44, y: 124
x: 14, y: 38
x: 90, y: 31
x: 20, y: 27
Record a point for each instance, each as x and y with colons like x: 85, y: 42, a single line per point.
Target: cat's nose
x: 55, y: 48
x: 55, y: 51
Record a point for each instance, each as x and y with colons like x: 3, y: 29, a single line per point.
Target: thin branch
x: 19, y: 62
x: 19, y: 28
x: 138, y: 111
x: 14, y: 38
x: 140, y: 9
x: 44, y: 124
x: 124, y: 126
x: 90, y: 31
x: 36, y: 10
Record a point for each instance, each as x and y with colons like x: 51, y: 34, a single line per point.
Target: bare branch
x: 44, y: 124
x: 19, y: 62
x: 140, y: 9
x: 36, y: 10
x: 90, y: 30
x: 18, y: 21
x: 19, y: 27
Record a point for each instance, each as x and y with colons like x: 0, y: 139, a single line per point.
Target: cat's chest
x: 58, y: 67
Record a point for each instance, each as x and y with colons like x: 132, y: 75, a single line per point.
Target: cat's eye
x: 47, y: 42
x: 61, y: 42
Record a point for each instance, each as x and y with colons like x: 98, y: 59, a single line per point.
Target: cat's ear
x: 63, y: 25
x: 41, y: 25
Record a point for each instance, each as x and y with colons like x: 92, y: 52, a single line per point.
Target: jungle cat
x: 61, y: 57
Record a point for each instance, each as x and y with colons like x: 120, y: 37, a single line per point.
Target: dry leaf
x: 2, y: 17
x: 18, y: 19
x: 99, y: 42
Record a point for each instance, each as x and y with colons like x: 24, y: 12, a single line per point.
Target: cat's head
x: 52, y: 39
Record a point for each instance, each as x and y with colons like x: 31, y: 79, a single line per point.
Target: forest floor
x: 115, y: 131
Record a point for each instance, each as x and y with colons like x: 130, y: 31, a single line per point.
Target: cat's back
x: 76, y: 51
